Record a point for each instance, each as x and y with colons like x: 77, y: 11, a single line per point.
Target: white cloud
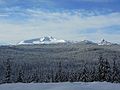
x: 3, y: 15
x: 65, y: 25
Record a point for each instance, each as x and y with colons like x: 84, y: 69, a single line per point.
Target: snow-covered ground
x: 61, y: 86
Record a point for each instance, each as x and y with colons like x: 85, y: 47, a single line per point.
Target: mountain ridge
x: 42, y: 40
x: 52, y: 40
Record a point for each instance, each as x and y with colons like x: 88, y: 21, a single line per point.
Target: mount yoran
x: 52, y: 40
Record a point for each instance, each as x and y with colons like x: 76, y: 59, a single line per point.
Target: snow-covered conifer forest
x: 59, y: 63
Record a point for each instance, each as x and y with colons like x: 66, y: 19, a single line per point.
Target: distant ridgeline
x: 59, y: 63
x: 52, y: 40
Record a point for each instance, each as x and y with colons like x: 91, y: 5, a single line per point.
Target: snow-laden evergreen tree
x: 104, y: 69
x: 20, y: 77
x: 115, y: 72
x: 35, y: 77
x: 60, y: 77
x: 107, y: 71
x: 52, y: 75
x: 92, y: 74
x: 84, y: 74
x: 8, y: 71
x: 58, y: 74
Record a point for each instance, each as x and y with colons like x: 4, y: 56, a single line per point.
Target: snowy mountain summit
x: 42, y: 40
x: 104, y: 42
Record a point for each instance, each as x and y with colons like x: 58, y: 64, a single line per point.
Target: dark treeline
x: 60, y: 71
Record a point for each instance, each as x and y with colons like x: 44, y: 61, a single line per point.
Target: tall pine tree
x: 104, y: 69
x: 20, y: 76
x: 7, y: 76
x: 115, y: 72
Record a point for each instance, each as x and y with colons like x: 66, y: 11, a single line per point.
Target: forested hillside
x: 59, y: 63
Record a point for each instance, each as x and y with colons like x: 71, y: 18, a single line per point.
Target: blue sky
x: 63, y: 19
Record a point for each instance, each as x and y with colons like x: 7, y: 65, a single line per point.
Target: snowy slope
x: 42, y: 40
x: 104, y: 42
x: 87, y: 42
x: 62, y: 86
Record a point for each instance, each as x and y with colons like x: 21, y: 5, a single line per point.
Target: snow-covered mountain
x: 88, y: 42
x: 42, y: 40
x: 52, y: 40
x: 104, y: 42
